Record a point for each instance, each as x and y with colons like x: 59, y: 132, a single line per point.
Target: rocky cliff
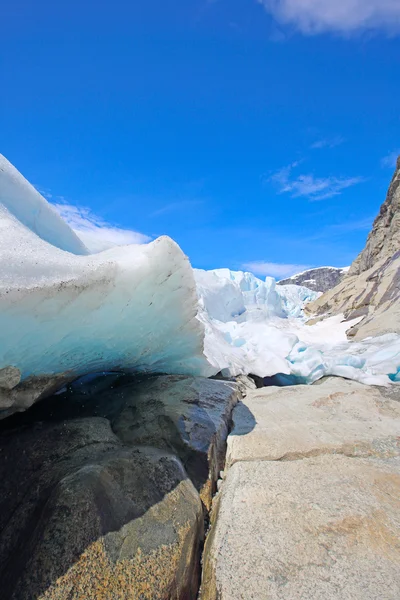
x: 372, y: 287
x: 320, y: 279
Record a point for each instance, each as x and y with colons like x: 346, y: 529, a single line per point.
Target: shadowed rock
x: 96, y: 502
x: 82, y: 516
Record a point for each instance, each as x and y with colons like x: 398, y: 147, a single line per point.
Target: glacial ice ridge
x: 65, y: 312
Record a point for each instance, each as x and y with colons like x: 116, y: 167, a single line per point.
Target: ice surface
x: 142, y: 307
x: 132, y: 307
x: 29, y: 208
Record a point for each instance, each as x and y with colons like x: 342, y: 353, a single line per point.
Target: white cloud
x: 278, y: 270
x: 390, y: 160
x: 341, y: 16
x: 309, y: 186
x: 95, y: 233
x: 328, y: 142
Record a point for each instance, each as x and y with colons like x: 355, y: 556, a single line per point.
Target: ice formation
x: 254, y: 326
x: 132, y: 307
x: 142, y: 307
x: 29, y: 208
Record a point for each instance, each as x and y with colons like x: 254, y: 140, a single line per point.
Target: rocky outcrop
x: 384, y: 240
x: 310, y: 502
x: 320, y: 279
x: 189, y: 416
x: 105, y: 486
x: 371, y: 289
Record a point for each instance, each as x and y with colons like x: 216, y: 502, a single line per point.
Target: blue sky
x: 258, y: 135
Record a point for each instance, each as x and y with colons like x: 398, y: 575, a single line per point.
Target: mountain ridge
x: 318, y: 279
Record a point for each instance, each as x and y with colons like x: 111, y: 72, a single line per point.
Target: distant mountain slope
x: 320, y: 279
x: 372, y: 287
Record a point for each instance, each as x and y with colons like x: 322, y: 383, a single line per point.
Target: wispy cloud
x: 389, y: 161
x: 353, y: 225
x: 177, y: 207
x: 278, y: 270
x: 328, y: 143
x: 340, y: 16
x: 97, y: 234
x: 309, y: 186
x: 336, y: 230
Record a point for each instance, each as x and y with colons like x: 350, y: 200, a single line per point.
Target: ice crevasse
x: 65, y: 312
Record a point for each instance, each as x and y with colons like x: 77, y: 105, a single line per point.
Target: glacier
x: 254, y: 326
x: 65, y: 312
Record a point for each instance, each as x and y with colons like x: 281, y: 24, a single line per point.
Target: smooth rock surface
x: 309, y: 507
x: 190, y: 415
x: 84, y: 517
x: 337, y: 416
x: 323, y: 528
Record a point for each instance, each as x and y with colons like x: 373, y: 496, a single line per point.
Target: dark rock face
x: 320, y: 279
x: 96, y: 502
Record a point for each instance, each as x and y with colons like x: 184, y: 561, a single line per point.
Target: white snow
x: 142, y: 307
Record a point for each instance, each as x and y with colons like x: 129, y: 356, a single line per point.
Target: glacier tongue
x: 254, y: 326
x: 239, y: 313
x: 64, y: 312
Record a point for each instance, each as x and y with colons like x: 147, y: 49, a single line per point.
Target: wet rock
x: 18, y: 396
x: 189, y: 416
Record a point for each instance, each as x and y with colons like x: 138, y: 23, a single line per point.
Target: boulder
x: 188, y: 415
x: 82, y: 516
